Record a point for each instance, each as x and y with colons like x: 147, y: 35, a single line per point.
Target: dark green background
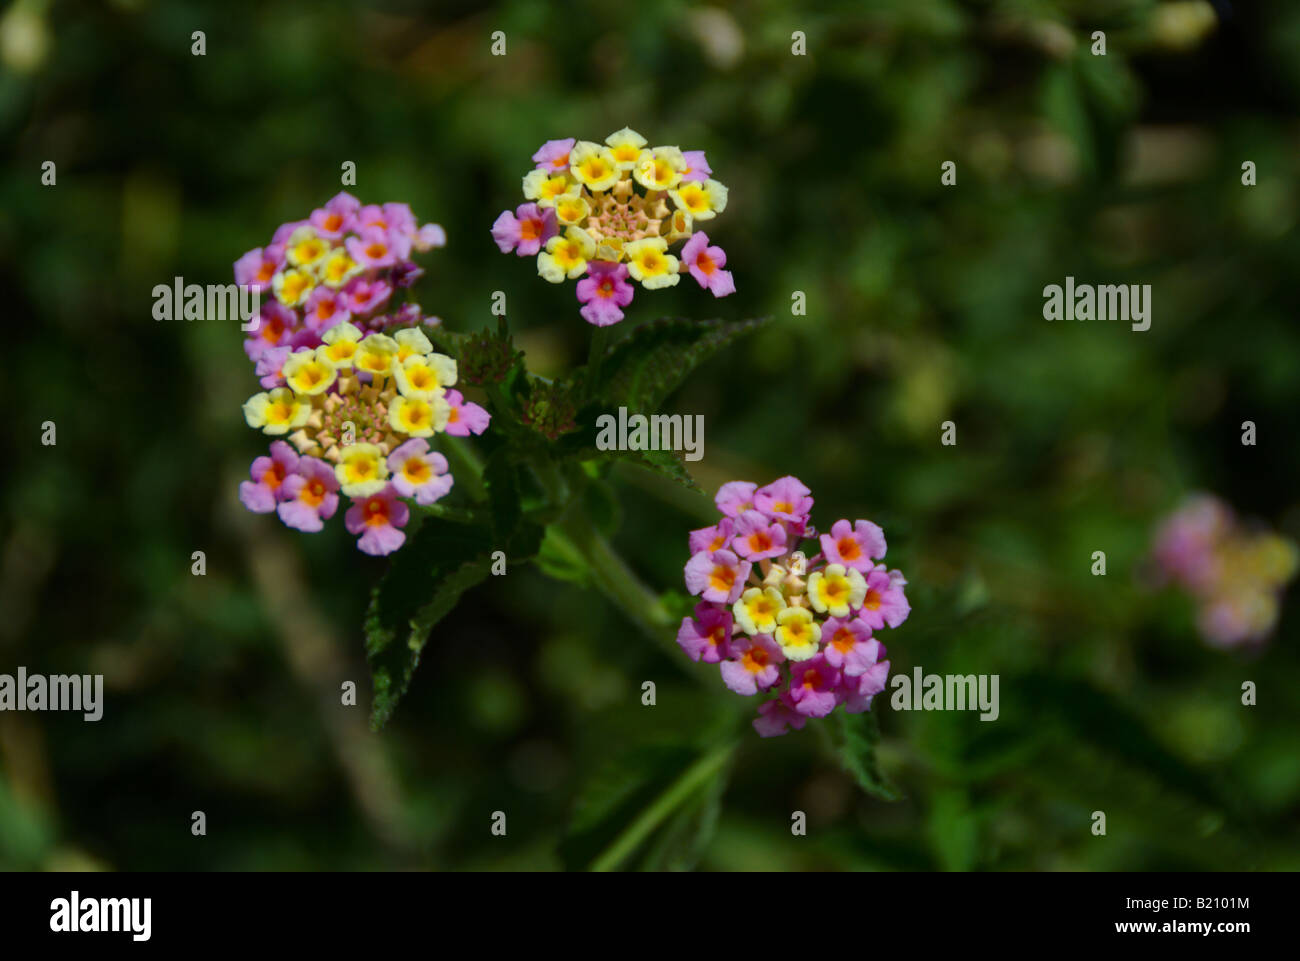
x: 924, y: 305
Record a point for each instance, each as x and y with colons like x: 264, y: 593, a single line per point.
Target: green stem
x: 691, y: 780
x: 615, y: 579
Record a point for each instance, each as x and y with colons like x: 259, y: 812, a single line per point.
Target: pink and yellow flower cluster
x: 800, y: 629
x: 352, y: 412
x: 343, y: 263
x: 608, y: 214
x: 1236, y: 575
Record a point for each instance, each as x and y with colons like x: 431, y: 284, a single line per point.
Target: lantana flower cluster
x: 352, y: 409
x: 799, y: 629
x: 608, y: 214
x: 343, y: 263
x: 1236, y: 575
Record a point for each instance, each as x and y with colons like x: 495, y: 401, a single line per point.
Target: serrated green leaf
x: 392, y: 667
x: 666, y: 462
x: 858, y: 737
x: 641, y: 370
x: 428, y: 575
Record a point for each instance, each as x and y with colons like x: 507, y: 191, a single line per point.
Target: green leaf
x: 641, y: 370
x: 638, y: 373
x: 581, y: 447
x: 441, y: 561
x: 666, y: 462
x: 855, y: 743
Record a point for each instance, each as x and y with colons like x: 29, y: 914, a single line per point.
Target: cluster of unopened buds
x: 800, y: 629
x: 353, y: 410
x: 603, y: 213
x: 1235, y: 574
x: 343, y: 263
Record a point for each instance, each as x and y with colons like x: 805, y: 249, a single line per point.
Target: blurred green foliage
x: 924, y: 305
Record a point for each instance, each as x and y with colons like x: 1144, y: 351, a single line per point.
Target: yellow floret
x: 650, y: 263
x: 702, y: 201
x: 424, y: 377
x: 756, y: 610
x: 418, y: 418
x: 566, y: 255
x: 277, y: 411
x: 593, y: 165
x: 660, y: 169
x: 798, y: 633
x: 308, y: 372
x: 361, y: 470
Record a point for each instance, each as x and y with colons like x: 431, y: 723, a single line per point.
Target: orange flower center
x: 416, y: 470
x: 273, y: 330
x: 313, y: 494
x: 722, y: 578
